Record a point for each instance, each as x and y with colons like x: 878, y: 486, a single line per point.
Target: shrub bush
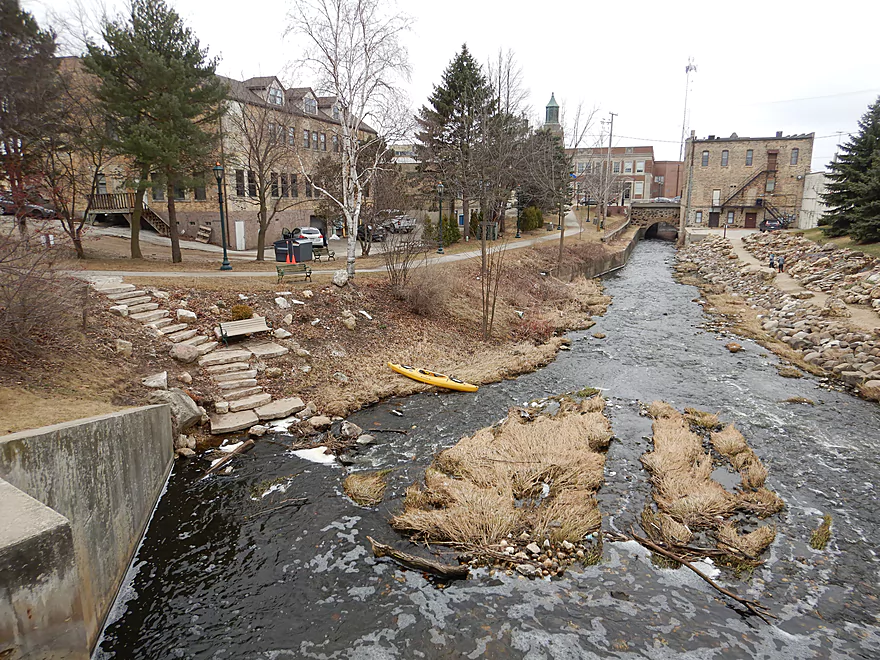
x: 425, y: 294
x: 451, y: 232
x: 241, y: 312
x: 537, y: 329
x: 531, y: 218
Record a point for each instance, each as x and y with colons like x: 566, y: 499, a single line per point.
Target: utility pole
x: 687, y: 71
x: 682, y: 223
x: 608, y: 169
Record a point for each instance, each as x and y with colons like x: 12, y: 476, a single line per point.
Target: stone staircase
x: 243, y: 401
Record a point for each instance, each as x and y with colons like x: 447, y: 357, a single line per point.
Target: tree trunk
x: 176, y: 257
x: 261, y: 233
x: 136, y: 216
x: 466, y: 210
x: 561, y: 241
x: 352, y: 243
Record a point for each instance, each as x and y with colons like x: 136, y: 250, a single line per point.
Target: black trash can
x: 281, y: 250
x: 302, y: 251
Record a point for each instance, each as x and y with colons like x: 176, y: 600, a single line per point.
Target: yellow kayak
x: 431, y: 378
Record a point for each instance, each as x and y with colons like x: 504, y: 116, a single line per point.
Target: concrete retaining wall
x: 100, y: 479
x: 606, y: 264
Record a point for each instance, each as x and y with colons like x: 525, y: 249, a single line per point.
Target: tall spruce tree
x: 853, y: 191
x: 163, y: 97
x: 452, y: 124
x: 28, y: 99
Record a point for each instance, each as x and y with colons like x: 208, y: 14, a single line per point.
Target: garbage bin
x: 281, y: 250
x: 491, y: 231
x: 302, y: 250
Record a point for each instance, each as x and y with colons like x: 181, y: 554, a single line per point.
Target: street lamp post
x: 518, y: 207
x: 218, y: 174
x: 440, y: 219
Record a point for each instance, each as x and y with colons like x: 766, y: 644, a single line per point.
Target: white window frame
x: 725, y: 158
x: 639, y: 189
x: 698, y: 218
x: 616, y: 167
x: 276, y: 96
x: 627, y: 167
x: 640, y: 166
x: 310, y: 106
x: 716, y: 197
x: 730, y: 217
x: 795, y: 156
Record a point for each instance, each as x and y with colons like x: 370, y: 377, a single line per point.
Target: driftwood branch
x: 245, y: 446
x: 402, y: 432
x: 419, y: 563
x: 761, y: 611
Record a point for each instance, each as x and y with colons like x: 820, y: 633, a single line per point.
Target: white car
x: 312, y: 234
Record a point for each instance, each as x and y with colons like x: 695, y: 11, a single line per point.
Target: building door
x: 239, y: 235
x: 714, y: 219
x: 771, y: 160
x: 751, y: 220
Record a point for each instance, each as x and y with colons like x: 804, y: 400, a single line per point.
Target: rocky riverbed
x: 820, y: 336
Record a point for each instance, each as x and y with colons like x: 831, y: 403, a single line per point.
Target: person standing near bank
x: 772, y: 261
x: 781, y: 262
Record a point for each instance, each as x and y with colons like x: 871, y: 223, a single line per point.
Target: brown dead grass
x: 701, y: 419
x: 366, y: 488
x: 751, y: 544
x: 22, y: 410
x: 471, y: 490
x: 660, y: 410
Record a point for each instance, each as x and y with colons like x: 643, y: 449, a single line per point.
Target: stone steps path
x: 244, y: 403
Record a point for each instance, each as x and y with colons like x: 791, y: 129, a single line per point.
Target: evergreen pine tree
x: 452, y: 123
x: 163, y: 97
x: 853, y: 190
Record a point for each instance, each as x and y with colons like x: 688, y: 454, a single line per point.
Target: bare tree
x: 492, y: 273
x: 356, y: 55
x: 401, y: 253
x: 549, y: 176
x: 577, y: 124
x: 262, y: 141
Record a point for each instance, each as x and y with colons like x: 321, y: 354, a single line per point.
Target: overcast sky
x: 762, y: 66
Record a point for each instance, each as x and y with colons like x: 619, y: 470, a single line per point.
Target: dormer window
x: 276, y: 96
x: 335, y: 111
x: 310, y: 106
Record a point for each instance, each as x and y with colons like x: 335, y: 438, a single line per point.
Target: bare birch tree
x: 354, y: 50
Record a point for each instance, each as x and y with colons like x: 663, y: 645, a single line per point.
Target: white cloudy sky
x: 762, y: 65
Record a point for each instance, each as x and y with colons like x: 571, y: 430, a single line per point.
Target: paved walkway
x: 863, y: 318
x: 571, y: 231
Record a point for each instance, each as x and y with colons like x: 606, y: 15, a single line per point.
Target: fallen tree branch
x: 245, y: 446
x: 761, y: 611
x: 386, y: 431
x: 419, y: 563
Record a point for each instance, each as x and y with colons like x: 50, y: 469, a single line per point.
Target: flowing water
x: 221, y: 576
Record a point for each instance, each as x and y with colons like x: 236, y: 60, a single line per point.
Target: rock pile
x: 816, y: 332
x: 546, y: 560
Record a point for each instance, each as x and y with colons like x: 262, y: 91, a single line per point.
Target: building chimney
x: 778, y: 133
x: 711, y: 137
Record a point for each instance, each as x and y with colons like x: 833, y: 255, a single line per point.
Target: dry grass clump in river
x: 822, y: 534
x: 366, y: 488
x: 529, y: 479
x: 688, y: 501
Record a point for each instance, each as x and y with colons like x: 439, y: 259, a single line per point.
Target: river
x: 218, y: 576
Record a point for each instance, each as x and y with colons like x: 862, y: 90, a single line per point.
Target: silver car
x: 312, y: 234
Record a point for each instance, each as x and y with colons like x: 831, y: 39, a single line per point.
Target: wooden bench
x: 293, y: 269
x: 237, y: 328
x: 318, y: 252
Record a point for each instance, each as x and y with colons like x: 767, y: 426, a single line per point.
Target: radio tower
x: 690, y: 67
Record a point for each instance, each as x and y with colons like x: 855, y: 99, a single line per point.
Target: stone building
x: 308, y: 128
x: 738, y: 181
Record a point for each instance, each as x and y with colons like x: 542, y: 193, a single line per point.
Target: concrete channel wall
x: 75, y: 499
x: 606, y: 264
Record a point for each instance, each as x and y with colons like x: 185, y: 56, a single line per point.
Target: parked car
x: 376, y: 232
x: 312, y: 234
x: 401, y: 223
x: 7, y: 207
x: 771, y: 224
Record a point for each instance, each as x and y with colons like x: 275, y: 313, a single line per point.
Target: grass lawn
x: 819, y: 237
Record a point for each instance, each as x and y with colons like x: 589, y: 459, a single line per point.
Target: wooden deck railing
x: 112, y: 202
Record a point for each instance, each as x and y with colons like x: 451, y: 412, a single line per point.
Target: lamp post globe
x: 218, y: 174
x: 440, y: 218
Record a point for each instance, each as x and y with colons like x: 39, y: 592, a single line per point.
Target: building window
x: 629, y: 150
x: 730, y: 217
x: 640, y: 188
x: 617, y: 167
x: 749, y: 155
x: 200, y: 193
x: 273, y: 178
x: 285, y: 189
x: 310, y: 106
x: 336, y: 144
x: 306, y: 141
x: 102, y: 185
x: 323, y: 142
x: 627, y: 167
x: 640, y: 166
x: 704, y: 162
x: 252, y: 184
x: 239, y: 183
x: 716, y: 198
x: 581, y: 168
x: 698, y: 217
x: 291, y: 136
x: 725, y: 155
x: 315, y: 140
x: 158, y: 190
x: 308, y: 187
x: 771, y: 185
x: 294, y: 186
x: 276, y: 96
x: 335, y: 111
x: 795, y: 153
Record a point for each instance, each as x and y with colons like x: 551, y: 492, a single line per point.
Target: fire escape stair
x: 745, y: 185
x: 123, y: 204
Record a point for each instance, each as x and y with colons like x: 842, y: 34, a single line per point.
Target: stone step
x: 234, y: 375
x: 280, y: 408
x: 161, y: 323
x: 235, y: 395
x: 231, y: 422
x: 170, y: 329
x: 249, y: 403
x: 226, y: 368
x: 143, y: 307
x: 137, y: 300
x: 182, y: 334
x: 110, y: 289
x: 237, y: 384
x: 125, y: 295
x: 266, y: 349
x: 195, y: 341
x: 150, y: 317
x: 207, y: 347
x: 227, y: 356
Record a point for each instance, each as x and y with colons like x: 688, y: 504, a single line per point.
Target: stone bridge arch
x: 650, y: 215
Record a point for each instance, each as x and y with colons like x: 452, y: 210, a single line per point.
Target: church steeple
x: 552, y: 112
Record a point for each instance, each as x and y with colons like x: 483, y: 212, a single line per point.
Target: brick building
x: 739, y: 182
x: 636, y: 174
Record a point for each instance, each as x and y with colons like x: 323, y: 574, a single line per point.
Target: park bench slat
x: 244, y: 327
x: 293, y: 269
